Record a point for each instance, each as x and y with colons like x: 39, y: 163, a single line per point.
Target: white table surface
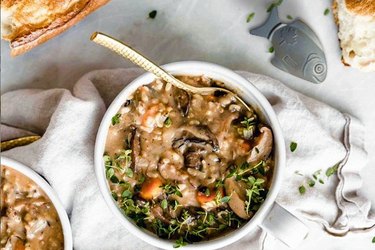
x: 214, y: 31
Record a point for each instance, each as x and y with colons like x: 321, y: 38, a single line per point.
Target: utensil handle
x: 6, y: 145
x: 285, y: 226
x: 126, y: 51
x: 134, y: 56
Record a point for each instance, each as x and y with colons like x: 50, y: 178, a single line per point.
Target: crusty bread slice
x: 356, y: 22
x: 28, y: 23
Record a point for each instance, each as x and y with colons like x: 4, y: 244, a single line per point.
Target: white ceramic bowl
x: 67, y: 231
x: 232, y: 81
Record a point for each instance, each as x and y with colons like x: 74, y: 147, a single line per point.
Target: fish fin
x: 278, y: 64
x: 266, y: 28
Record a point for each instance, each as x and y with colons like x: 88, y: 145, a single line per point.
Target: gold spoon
x: 22, y: 141
x: 138, y: 59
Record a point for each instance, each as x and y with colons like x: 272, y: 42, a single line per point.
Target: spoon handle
x: 134, y: 56
x: 138, y: 59
x: 6, y: 145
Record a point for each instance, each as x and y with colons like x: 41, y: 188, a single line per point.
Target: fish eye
x: 319, y: 68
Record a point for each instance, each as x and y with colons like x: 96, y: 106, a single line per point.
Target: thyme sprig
x: 253, y: 193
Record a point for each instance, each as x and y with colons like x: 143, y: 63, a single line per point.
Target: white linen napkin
x: 64, y: 155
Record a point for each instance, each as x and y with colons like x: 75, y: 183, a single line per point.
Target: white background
x: 207, y: 30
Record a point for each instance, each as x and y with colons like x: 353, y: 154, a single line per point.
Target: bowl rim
x: 48, y: 190
x: 246, y: 90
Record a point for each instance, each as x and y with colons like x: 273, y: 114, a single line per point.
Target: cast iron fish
x: 298, y: 50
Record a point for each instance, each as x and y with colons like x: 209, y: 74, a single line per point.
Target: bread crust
x: 336, y: 19
x: 334, y: 11
x: 361, y: 7
x: 18, y: 49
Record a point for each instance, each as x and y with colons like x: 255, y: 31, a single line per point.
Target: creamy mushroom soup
x: 188, y: 167
x: 28, y: 218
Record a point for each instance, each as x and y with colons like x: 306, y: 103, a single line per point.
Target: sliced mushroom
x: 157, y: 212
x: 182, y: 99
x: 195, y: 135
x: 133, y: 141
x: 238, y: 197
x: 184, y: 143
x: 174, y: 213
x: 193, y: 158
x: 227, y: 123
x: 263, y: 146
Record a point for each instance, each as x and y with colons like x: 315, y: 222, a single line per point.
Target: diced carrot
x: 18, y: 244
x: 245, y: 147
x: 203, y: 198
x: 149, y: 113
x: 210, y: 98
x: 151, y: 188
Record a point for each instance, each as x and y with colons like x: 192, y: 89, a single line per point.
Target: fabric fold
x: 68, y: 122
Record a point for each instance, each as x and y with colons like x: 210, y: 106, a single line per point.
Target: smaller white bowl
x: 67, y: 231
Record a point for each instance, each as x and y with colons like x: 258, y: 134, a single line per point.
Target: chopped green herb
x: 188, y: 226
x: 179, y: 243
x: 114, y: 196
x: 250, y: 17
x: 120, y: 162
x: 316, y: 174
x: 110, y: 172
x: 129, y: 172
x: 259, y: 168
x: 253, y: 193
x: 207, y: 192
x: 249, y: 127
x: 271, y: 50
x: 321, y: 181
x: 125, y: 184
x: 171, y: 189
x: 332, y: 170
x: 248, y: 122
x: 124, y: 159
x: 326, y: 11
x: 244, y: 165
x: 239, y: 172
x: 126, y: 194
x: 311, y: 183
x: 293, y: 146
x: 262, y: 170
x: 289, y: 17
x: 218, y: 198
x: 164, y: 204
x: 225, y: 199
x: 114, y: 179
x: 274, y: 4
x: 116, y: 119
x: 107, y: 159
x: 174, y: 204
x: 168, y: 122
x: 152, y: 14
x: 302, y: 189
x: 373, y: 239
x: 219, y: 183
x: 210, y: 218
x: 232, y: 172
x: 124, y: 155
x: 142, y: 179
